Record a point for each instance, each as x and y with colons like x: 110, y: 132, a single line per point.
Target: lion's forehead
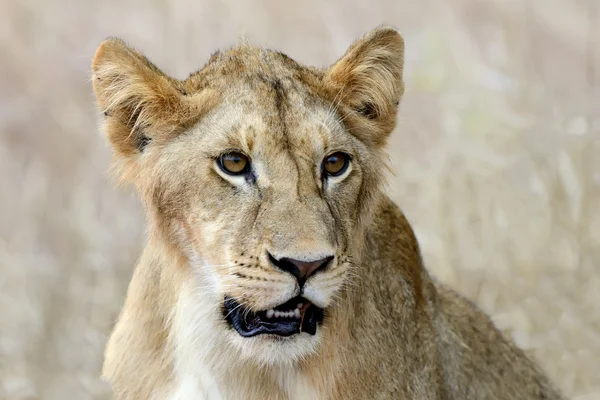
x: 261, y: 127
x: 268, y: 103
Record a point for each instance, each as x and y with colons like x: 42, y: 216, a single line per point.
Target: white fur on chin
x: 208, y: 354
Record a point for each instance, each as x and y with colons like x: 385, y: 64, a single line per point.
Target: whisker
x: 234, y: 309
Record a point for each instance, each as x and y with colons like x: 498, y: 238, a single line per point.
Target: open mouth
x: 294, y: 316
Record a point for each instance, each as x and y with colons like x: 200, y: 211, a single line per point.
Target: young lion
x: 275, y: 266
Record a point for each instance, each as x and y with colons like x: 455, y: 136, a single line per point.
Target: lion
x: 275, y: 265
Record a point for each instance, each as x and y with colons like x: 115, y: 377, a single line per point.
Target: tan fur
x: 390, y: 332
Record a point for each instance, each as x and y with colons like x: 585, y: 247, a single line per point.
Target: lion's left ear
x: 366, y: 84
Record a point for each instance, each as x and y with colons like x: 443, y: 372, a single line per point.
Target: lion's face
x: 263, y: 178
x: 268, y: 197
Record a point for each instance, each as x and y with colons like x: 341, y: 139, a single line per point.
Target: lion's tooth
x: 297, y: 313
x: 299, y: 305
x: 277, y: 314
x: 270, y: 313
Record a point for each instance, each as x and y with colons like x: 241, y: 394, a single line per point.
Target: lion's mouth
x: 294, y: 316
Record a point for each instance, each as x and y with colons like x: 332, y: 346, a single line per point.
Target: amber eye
x: 336, y: 164
x: 234, y: 163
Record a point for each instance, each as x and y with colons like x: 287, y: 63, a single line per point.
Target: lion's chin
x: 295, y: 316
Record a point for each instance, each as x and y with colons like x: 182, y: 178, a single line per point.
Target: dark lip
x: 249, y: 324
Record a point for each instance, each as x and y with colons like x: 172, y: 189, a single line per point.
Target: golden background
x: 496, y: 163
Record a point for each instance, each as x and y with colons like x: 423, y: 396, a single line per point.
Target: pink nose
x: 302, y: 270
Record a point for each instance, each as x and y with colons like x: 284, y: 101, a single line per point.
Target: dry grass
x: 496, y: 160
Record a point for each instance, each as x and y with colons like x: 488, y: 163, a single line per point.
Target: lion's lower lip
x: 282, y: 320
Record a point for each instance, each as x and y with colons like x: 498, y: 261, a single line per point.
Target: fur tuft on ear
x: 366, y: 84
x: 140, y: 103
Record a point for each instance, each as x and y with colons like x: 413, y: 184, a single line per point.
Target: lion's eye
x: 234, y: 163
x: 336, y: 164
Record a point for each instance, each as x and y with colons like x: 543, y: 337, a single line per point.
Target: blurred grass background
x: 496, y: 163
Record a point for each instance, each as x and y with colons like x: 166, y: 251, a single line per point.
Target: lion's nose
x: 302, y: 270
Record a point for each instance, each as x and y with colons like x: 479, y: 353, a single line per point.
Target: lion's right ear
x: 141, y: 104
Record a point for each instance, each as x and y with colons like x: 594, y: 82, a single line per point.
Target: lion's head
x: 260, y: 171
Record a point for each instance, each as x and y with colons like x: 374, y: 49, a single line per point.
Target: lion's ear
x: 367, y: 83
x: 140, y: 103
